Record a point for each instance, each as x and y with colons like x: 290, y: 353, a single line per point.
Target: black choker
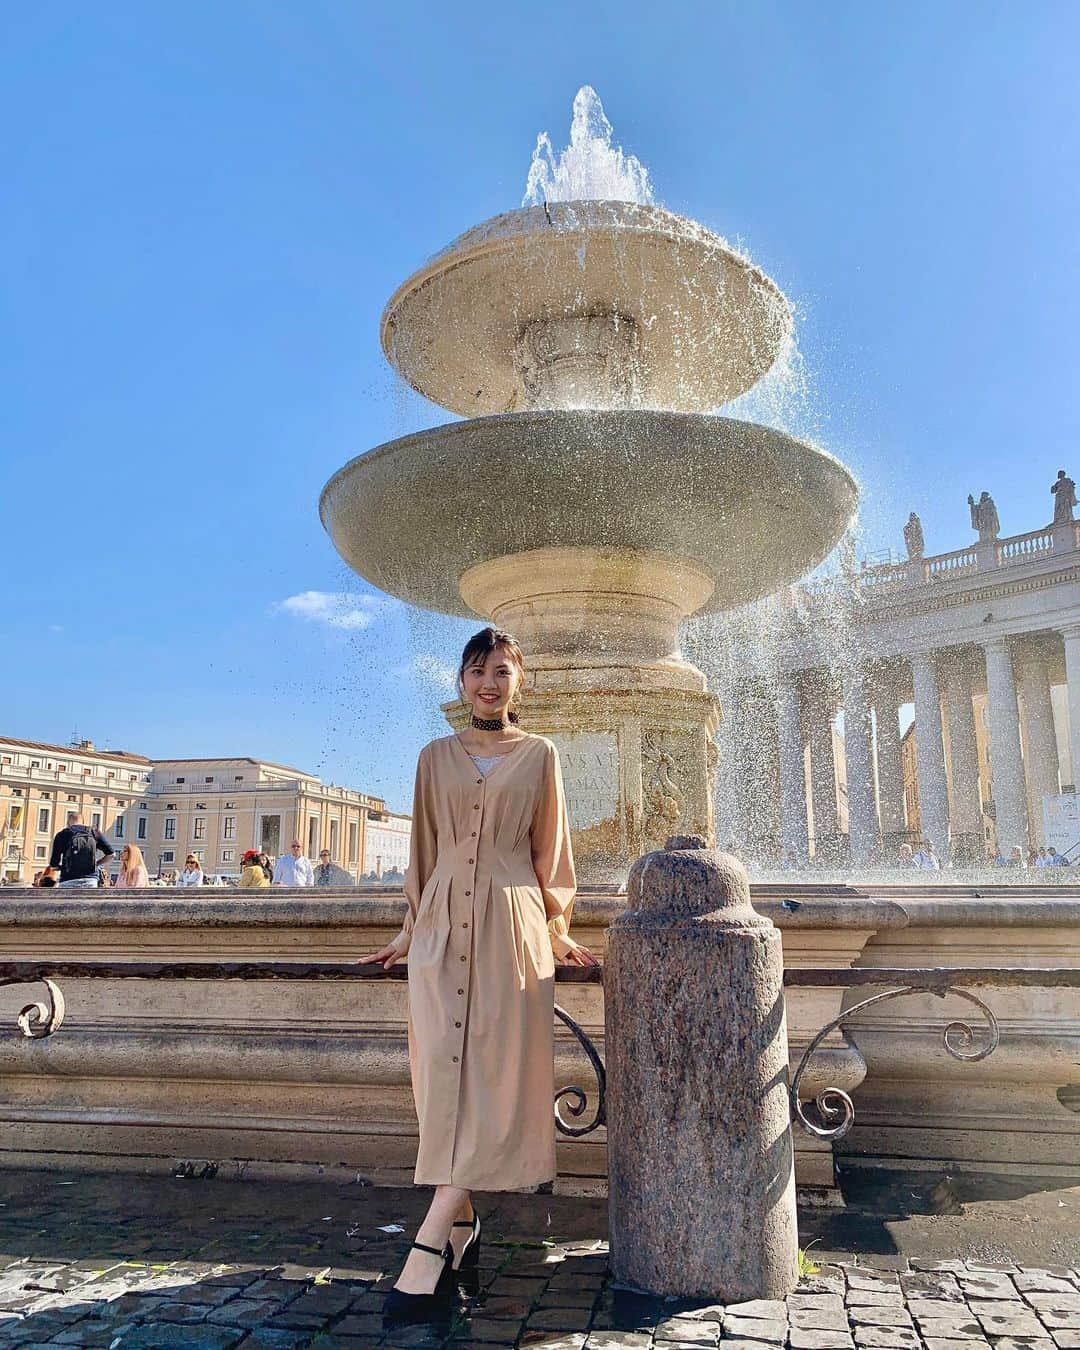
x: 492, y: 723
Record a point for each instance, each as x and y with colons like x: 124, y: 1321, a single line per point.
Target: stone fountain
x: 590, y: 501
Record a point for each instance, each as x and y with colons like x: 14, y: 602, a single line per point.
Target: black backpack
x: 80, y: 856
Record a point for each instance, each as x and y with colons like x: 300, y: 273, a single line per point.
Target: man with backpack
x: 75, y: 851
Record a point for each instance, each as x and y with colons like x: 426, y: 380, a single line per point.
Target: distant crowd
x: 82, y: 857
x: 925, y: 858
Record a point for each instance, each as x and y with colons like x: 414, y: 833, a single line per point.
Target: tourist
x: 74, y: 852
x: 133, y: 872
x: 328, y: 873
x: 1057, y: 859
x: 907, y: 857
x: 253, y: 873
x: 1016, y: 857
x: 486, y: 921
x: 267, y: 867
x: 293, y: 869
x: 926, y: 860
x: 192, y: 875
x: 1042, y: 858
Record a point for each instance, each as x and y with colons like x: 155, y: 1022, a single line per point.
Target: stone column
x: 1040, y: 739
x: 930, y: 753
x: 820, y: 715
x: 859, y: 755
x: 1006, y: 757
x: 1071, y: 638
x: 701, y: 1180
x: 792, y: 773
x: 965, y: 808
x: 886, y: 697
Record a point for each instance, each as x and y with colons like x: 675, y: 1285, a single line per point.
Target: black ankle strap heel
x: 401, y: 1309
x: 468, y: 1267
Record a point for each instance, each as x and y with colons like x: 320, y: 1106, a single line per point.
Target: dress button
x: 476, y: 807
x: 457, y: 1024
x: 461, y: 991
x: 474, y: 834
x: 479, y: 780
x: 455, y: 1059
x: 463, y: 958
x: 472, y: 860
x: 464, y: 925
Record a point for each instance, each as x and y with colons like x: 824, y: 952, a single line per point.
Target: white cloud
x: 329, y: 608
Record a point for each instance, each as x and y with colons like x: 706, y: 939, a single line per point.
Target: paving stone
x: 937, y: 1307
x: 765, y: 1309
x: 573, y: 1342
x: 952, y: 1266
x: 242, y: 1312
x: 833, y: 1302
x: 871, y: 1316
x: 819, y: 1319
x: 887, y: 1338
x: 736, y: 1344
x: 1066, y: 1338
x: 360, y: 1324
x: 495, y: 1333
x: 1024, y: 1343
x: 513, y: 1308
x: 1019, y: 1324
x: 559, y: 1319
x: 516, y: 1284
x: 618, y: 1340
x: 161, y: 1337
x: 874, y: 1298
x: 755, y: 1329
x: 289, y: 1321
x: 959, y: 1328
x: 805, y: 1339
x: 687, y: 1331
x: 566, y: 1298
x: 705, y: 1312
x: 880, y: 1281
x: 938, y: 1343
x: 986, y: 1284
x: 1054, y: 1302
x: 996, y: 1307
x: 1043, y: 1282
x: 1059, y: 1321
x: 185, y: 1314
x: 941, y: 1284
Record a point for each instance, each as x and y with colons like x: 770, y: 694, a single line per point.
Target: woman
x: 490, y: 887
x: 192, y: 875
x: 133, y: 871
x: 253, y: 873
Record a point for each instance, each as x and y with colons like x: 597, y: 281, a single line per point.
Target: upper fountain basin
x: 751, y: 507
x: 589, y: 304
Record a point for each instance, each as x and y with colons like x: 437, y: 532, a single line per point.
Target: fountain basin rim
x: 755, y: 507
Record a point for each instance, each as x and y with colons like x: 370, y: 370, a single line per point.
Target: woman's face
x: 490, y: 684
x: 125, y: 855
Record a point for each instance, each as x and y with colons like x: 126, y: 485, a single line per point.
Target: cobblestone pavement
x: 126, y: 1262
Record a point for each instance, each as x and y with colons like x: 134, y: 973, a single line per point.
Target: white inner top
x: 485, y: 763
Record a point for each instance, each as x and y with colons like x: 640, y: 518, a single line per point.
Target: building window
x: 95, y: 820
x: 14, y: 816
x: 228, y: 855
x: 200, y: 806
x: 118, y: 827
x: 46, y: 796
x: 7, y: 759
x: 199, y: 831
x: 313, y: 837
x: 239, y: 778
x: 109, y: 775
x: 170, y: 827
x: 335, y: 828
x: 168, y: 856
x: 97, y: 801
x: 229, y: 830
x: 170, y: 806
x: 354, y: 840
x: 39, y: 850
x: 71, y: 797
x: 229, y: 806
x: 270, y: 834
x: 181, y: 780
x: 35, y: 763
x: 209, y: 780
x: 43, y: 820
x: 141, y: 832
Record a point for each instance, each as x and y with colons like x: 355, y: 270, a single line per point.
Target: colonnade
x: 791, y: 803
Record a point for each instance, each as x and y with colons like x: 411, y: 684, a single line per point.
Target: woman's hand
x: 393, y: 952
x: 579, y: 956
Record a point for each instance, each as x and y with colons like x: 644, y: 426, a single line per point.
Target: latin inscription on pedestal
x: 590, y: 767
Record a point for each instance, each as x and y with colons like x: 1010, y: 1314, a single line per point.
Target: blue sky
x: 207, y: 204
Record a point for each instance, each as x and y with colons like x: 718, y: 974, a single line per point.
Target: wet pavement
x: 911, y: 1263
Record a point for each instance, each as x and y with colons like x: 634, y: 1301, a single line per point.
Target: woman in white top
x: 192, y: 875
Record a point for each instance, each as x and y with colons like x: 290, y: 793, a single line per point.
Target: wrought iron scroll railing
x: 829, y: 1116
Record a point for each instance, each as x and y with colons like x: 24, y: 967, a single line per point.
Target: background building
x: 387, y: 848
x: 212, y: 808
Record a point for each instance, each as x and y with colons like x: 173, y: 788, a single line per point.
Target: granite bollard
x: 700, y: 1162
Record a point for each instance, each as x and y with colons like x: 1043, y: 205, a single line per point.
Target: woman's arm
x: 553, y: 863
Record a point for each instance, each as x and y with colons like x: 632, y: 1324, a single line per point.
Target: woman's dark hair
x: 481, y: 645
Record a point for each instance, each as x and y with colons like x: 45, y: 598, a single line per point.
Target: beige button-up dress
x: 490, y: 887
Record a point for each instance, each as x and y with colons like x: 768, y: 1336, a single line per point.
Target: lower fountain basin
x: 754, y: 509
